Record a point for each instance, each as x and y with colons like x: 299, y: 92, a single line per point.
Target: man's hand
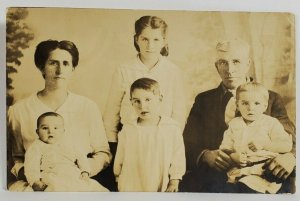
x: 218, y: 159
x: 224, y: 162
x: 173, y: 185
x: 210, y: 157
x: 281, y: 166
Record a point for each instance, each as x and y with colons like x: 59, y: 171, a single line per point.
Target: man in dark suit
x: 207, y: 121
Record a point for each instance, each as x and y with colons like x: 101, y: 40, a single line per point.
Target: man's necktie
x: 227, y: 96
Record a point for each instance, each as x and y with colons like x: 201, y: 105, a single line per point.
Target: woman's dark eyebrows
x: 52, y: 60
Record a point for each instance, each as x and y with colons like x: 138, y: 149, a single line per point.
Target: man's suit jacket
x: 206, y: 125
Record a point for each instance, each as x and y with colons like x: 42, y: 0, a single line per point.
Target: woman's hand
x: 39, y: 186
x: 173, y: 185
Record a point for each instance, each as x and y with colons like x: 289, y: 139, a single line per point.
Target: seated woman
x: 57, y: 61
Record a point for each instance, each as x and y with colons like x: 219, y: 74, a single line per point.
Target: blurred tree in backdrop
x: 18, y: 36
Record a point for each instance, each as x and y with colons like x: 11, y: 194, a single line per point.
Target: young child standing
x: 54, y: 164
x: 150, y: 154
x: 254, y: 138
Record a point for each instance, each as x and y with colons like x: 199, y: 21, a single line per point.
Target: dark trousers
x: 204, y: 179
x: 208, y: 180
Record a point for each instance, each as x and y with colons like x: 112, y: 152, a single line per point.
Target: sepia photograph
x: 134, y: 100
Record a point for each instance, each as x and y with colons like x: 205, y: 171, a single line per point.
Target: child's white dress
x: 59, y: 165
x: 267, y: 130
x: 149, y: 157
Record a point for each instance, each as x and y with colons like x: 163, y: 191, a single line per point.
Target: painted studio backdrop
x: 104, y: 38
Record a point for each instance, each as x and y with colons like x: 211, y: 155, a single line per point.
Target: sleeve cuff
x: 84, y: 171
x: 176, y: 177
x: 87, y: 171
x: 112, y: 137
x: 200, y: 157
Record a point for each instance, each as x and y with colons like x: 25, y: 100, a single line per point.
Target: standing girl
x: 151, y: 43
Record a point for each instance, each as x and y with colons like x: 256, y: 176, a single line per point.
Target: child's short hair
x: 47, y: 114
x: 146, y: 84
x: 253, y: 87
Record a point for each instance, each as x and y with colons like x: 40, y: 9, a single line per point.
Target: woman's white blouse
x: 83, y: 125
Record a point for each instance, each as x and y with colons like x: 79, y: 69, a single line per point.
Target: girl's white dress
x: 149, y: 157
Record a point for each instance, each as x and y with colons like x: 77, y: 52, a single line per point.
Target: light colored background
x: 179, y: 53
x: 104, y: 38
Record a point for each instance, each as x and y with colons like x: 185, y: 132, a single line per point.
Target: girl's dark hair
x: 155, y: 23
x: 45, y: 47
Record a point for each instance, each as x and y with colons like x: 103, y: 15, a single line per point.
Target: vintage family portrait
x: 108, y: 100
